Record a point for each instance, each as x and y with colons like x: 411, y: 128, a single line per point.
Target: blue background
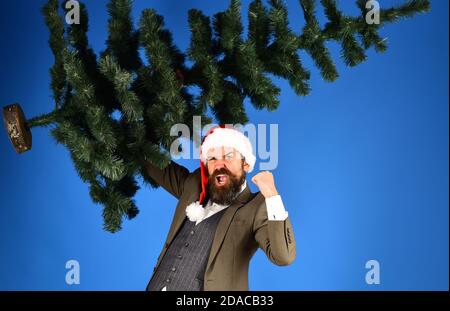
x: 363, y: 167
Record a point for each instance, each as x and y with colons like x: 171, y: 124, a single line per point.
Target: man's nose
x: 219, y: 164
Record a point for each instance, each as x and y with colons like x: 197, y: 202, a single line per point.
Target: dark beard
x: 225, y: 195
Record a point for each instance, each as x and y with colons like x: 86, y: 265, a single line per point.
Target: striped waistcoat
x: 183, y: 266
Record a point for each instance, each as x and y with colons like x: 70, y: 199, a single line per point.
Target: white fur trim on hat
x: 195, y: 211
x: 228, y: 137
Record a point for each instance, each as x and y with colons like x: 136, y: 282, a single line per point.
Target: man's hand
x: 265, y: 183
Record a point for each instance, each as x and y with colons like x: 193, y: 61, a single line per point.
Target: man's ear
x: 246, y: 167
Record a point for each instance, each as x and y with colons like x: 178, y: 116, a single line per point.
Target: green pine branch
x: 114, y: 112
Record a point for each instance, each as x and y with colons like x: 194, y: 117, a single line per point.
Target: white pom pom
x: 195, y: 211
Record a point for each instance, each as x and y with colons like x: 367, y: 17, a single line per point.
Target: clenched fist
x: 266, y: 184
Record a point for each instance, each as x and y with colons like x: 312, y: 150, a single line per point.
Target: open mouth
x: 221, y: 179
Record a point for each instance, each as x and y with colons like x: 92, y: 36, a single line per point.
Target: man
x: 218, y: 223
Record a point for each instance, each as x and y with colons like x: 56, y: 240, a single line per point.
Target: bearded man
x: 219, y: 223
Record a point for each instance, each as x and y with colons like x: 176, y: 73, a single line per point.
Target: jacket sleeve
x: 171, y: 178
x: 275, y: 238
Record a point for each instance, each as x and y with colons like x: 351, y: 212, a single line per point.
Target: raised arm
x: 271, y: 227
x: 274, y: 237
x: 171, y: 178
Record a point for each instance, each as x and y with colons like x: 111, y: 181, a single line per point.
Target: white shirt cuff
x: 275, y: 208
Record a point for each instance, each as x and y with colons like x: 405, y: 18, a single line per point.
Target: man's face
x: 226, y: 174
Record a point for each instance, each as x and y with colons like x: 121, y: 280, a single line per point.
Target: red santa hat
x: 219, y: 136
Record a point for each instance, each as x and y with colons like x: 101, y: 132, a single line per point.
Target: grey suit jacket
x: 242, y: 229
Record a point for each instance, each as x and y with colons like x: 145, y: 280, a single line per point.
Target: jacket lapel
x: 225, y: 222
x: 222, y: 227
x: 180, y: 215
